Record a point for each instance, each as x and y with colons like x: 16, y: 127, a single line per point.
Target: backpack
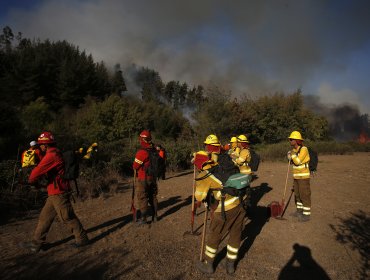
x: 225, y: 168
x: 237, y: 185
x: 314, y: 159
x: 29, y: 158
x: 255, y: 160
x: 153, y: 168
x: 71, y: 165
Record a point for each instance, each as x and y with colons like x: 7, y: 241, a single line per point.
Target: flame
x: 363, y: 138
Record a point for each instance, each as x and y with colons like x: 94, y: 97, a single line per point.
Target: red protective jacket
x: 141, y: 162
x: 52, y: 165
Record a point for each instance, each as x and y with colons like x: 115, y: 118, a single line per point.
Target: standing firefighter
x: 234, y: 149
x: 243, y: 158
x: 58, y: 201
x: 213, y: 146
x: 208, y: 190
x: 146, y: 171
x: 162, y: 162
x: 300, y: 158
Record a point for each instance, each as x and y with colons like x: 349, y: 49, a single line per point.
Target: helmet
x: 33, y: 143
x: 243, y: 139
x: 212, y: 140
x: 233, y: 139
x: 46, y: 138
x: 295, y: 135
x: 146, y: 136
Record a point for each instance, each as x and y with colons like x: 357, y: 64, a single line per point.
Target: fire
x: 363, y: 138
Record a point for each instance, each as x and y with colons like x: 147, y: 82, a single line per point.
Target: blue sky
x: 248, y: 47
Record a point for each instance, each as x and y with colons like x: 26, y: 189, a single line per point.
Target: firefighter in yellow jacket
x: 300, y: 158
x: 213, y: 146
x: 243, y: 157
x: 219, y: 227
x: 234, y: 149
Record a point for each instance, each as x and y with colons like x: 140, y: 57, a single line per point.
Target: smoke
x: 252, y: 47
x: 345, y: 121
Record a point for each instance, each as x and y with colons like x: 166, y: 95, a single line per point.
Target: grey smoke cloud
x: 246, y: 46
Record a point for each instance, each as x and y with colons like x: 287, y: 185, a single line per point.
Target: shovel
x: 193, y: 209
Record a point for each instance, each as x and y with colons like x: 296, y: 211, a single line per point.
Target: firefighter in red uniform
x: 146, y: 186
x: 58, y: 202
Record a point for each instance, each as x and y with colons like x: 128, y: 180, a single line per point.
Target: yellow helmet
x: 233, y: 139
x: 242, y: 138
x: 295, y: 135
x: 212, y: 140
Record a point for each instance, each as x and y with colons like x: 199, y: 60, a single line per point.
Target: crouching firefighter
x: 228, y: 216
x: 145, y: 167
x: 58, y: 202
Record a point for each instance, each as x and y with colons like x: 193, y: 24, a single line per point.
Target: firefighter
x: 213, y: 146
x: 234, y: 149
x: 146, y: 188
x: 162, y: 163
x: 243, y: 157
x: 300, y: 158
x: 29, y: 159
x: 58, y: 202
x: 208, y: 188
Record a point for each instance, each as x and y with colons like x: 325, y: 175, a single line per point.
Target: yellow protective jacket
x: 243, y: 160
x: 212, y: 183
x: 300, y: 163
x: 234, y: 152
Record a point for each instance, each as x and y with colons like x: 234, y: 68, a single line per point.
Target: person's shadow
x: 306, y: 268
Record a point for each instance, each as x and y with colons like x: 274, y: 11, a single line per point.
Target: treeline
x: 55, y: 86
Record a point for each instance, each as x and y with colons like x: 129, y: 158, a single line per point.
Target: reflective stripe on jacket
x: 300, y: 163
x: 212, y: 183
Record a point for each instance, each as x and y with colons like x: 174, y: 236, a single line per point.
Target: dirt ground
x: 333, y: 245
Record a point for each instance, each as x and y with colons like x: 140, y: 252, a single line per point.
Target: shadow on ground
x: 355, y: 231
x: 302, y: 266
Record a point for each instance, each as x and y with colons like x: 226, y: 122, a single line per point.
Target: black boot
x: 230, y: 267
x: 205, y: 267
x: 31, y: 245
x: 143, y: 219
x: 297, y: 213
x: 304, y: 218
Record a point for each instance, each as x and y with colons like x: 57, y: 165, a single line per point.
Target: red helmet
x: 146, y: 136
x: 46, y: 138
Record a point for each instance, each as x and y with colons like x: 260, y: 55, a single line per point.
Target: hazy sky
x: 253, y: 47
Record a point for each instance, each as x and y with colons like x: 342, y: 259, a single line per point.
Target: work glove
x: 289, y: 155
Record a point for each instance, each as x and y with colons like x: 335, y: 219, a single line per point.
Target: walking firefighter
x: 58, y: 202
x: 300, y: 158
x: 208, y: 189
x: 145, y: 168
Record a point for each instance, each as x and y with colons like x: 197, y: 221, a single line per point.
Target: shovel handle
x: 201, y: 257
